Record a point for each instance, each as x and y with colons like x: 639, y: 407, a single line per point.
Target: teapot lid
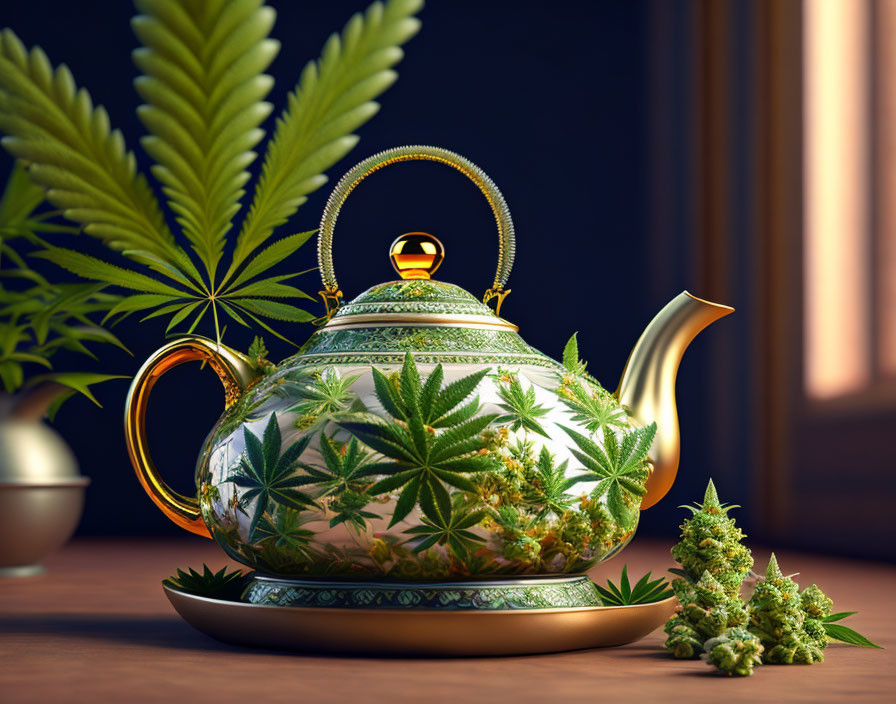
x: 416, y: 298
x: 437, y: 321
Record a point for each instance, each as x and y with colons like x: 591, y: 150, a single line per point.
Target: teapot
x: 417, y: 437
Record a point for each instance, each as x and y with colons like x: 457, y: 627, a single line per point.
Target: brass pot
x: 41, y: 495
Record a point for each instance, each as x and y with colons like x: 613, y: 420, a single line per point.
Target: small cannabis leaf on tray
x: 214, y: 585
x: 203, y: 85
x: 645, y: 591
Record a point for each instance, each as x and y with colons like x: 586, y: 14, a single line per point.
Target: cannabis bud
x: 777, y: 617
x: 735, y: 652
x: 705, y: 610
x: 711, y: 542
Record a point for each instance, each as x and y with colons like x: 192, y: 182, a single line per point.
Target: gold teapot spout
x: 647, y: 385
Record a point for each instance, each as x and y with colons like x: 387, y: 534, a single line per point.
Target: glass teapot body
x: 431, y: 451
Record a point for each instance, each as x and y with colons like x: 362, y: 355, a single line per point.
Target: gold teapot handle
x: 506, y: 237
x: 235, y: 372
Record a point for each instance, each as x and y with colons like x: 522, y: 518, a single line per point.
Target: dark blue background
x: 550, y: 99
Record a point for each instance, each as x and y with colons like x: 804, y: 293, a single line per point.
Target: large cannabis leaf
x: 268, y: 475
x: 620, y: 469
x: 422, y: 461
x: 203, y: 83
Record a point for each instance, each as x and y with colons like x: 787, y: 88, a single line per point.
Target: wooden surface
x: 97, y: 628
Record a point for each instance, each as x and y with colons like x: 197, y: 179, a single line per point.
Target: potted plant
x: 41, y: 490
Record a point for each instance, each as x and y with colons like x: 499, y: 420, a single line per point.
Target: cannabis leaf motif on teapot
x: 267, y: 474
x: 343, y: 479
x: 620, y: 469
x: 421, y: 461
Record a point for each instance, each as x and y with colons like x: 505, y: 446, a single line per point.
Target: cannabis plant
x: 203, y: 83
x: 39, y: 317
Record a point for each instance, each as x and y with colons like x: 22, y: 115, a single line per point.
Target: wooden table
x: 97, y: 628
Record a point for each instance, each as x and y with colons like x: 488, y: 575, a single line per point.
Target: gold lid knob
x: 416, y: 255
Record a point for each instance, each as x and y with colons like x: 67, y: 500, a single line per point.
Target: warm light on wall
x: 837, y: 281
x: 885, y: 27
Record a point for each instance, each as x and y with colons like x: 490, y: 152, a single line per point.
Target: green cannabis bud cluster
x: 705, y: 610
x: 780, y: 617
x: 735, y: 652
x: 711, y: 542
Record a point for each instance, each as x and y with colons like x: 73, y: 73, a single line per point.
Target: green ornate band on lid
x: 559, y: 593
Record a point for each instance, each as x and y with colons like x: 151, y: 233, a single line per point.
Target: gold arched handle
x: 235, y: 372
x: 506, y: 237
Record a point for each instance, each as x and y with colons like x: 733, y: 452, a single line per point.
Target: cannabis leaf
x: 571, y: 360
x: 343, y: 478
x: 327, y: 393
x: 547, y: 488
x: 334, y: 97
x: 591, y: 408
x: 451, y: 529
x: 38, y: 318
x: 286, y: 532
x: 620, y: 469
x: 214, y: 585
x: 522, y: 409
x: 268, y: 475
x: 645, y: 591
x: 844, y: 634
x: 420, y: 460
x: 204, y: 85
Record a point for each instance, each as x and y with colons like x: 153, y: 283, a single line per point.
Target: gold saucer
x: 419, y: 632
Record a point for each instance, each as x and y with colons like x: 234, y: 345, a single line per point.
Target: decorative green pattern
x: 555, y: 594
x: 421, y: 476
x: 382, y: 358
x: 408, y: 338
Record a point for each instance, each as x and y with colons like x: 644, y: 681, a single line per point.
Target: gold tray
x: 419, y: 632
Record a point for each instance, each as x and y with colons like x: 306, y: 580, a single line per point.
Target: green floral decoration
x: 203, y: 84
x: 735, y: 652
x: 705, y: 610
x: 712, y: 542
x: 777, y: 618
